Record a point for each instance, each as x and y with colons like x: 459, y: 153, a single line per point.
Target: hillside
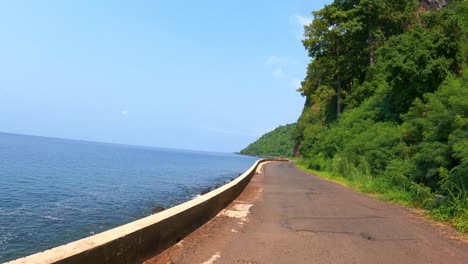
x: 386, y: 107
x: 278, y: 142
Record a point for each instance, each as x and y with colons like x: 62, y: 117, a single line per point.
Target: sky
x: 202, y: 75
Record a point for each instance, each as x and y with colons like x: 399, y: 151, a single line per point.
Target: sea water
x: 54, y: 191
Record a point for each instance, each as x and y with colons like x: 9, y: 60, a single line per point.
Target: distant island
x: 278, y: 143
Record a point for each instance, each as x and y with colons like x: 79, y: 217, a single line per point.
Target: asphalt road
x: 288, y: 216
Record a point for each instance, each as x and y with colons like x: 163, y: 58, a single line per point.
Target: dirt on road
x: 288, y: 216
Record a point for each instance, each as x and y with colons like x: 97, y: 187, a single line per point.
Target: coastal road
x: 289, y: 216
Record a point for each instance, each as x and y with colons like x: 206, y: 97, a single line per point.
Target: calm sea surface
x: 54, y: 191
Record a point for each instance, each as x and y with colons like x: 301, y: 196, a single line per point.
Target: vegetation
x: 278, y: 142
x: 386, y: 108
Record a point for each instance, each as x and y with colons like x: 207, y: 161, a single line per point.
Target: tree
x: 346, y: 34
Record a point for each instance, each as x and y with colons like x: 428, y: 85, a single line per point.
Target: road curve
x: 289, y: 216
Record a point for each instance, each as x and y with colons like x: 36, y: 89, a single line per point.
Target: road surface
x: 289, y: 216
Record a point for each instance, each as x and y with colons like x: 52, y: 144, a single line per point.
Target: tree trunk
x: 338, y: 81
x: 370, y: 42
x: 372, y: 57
x: 338, y: 97
x: 296, y: 152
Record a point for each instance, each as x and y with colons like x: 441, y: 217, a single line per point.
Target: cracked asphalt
x: 294, y: 217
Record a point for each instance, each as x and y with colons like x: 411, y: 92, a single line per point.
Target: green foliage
x: 415, y: 63
x: 401, y: 78
x: 437, y: 130
x: 278, y: 142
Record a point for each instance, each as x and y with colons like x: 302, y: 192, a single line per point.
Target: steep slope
x: 386, y: 101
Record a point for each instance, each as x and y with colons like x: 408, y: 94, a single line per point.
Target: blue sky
x: 204, y: 75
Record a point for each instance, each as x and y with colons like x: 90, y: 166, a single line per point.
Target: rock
x: 439, y: 199
x: 158, y: 209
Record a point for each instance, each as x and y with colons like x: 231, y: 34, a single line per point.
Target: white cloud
x: 229, y: 132
x: 278, y: 73
x: 124, y: 112
x: 303, y: 20
x: 295, y: 83
x: 297, y: 23
x: 277, y: 65
x: 273, y: 60
x: 279, y: 61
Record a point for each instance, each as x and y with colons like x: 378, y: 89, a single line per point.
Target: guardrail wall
x: 142, y: 239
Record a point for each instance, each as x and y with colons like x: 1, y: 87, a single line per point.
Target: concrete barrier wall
x: 149, y: 236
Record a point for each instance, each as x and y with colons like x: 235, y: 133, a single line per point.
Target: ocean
x: 54, y: 191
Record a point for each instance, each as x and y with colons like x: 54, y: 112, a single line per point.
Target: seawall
x: 139, y: 240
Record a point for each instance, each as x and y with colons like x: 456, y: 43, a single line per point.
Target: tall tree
x: 342, y: 41
x: 347, y: 33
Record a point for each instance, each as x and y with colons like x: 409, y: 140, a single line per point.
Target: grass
x: 452, y: 210
x: 365, y: 184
